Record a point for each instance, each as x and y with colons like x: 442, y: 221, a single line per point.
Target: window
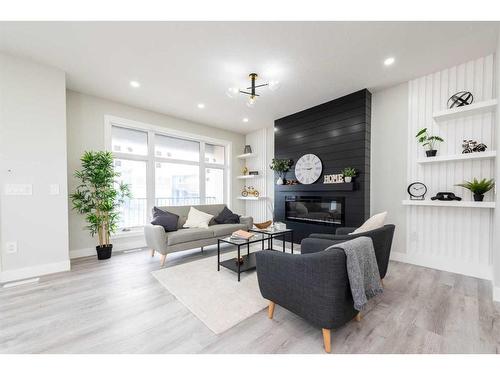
x: 177, y: 184
x: 165, y: 169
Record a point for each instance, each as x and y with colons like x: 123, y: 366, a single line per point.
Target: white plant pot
x: 347, y: 179
x: 279, y: 181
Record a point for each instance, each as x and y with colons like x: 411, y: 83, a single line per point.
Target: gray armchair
x: 315, y: 284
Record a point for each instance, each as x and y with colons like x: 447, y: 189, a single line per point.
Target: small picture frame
x: 253, y: 173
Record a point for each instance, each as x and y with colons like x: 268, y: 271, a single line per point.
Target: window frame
x: 151, y: 158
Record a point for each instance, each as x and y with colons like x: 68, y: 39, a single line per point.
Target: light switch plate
x: 11, y: 247
x: 54, y: 189
x: 18, y: 189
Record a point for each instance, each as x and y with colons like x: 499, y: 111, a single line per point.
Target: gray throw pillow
x: 167, y: 220
x: 227, y: 216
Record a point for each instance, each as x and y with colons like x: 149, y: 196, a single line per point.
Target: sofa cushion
x: 375, y: 222
x: 188, y: 235
x: 197, y: 219
x: 226, y: 229
x: 166, y: 219
x: 227, y: 216
x: 183, y: 211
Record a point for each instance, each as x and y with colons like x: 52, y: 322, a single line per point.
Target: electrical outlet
x: 11, y: 247
x: 54, y: 189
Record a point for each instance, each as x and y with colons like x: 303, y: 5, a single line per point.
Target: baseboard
x: 118, y: 246
x: 28, y: 272
x: 445, y: 264
x: 496, y: 293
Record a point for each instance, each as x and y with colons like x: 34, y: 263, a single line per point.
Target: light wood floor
x: 116, y: 306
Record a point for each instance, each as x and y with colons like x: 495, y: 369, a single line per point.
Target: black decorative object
x: 431, y: 153
x: 460, y: 99
x: 469, y: 146
x: 445, y: 196
x: 417, y: 191
x: 248, y: 149
x: 253, y: 173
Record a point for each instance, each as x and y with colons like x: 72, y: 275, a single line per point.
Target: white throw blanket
x: 362, y: 270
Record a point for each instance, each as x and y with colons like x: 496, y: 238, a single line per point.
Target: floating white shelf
x: 246, y: 156
x: 247, y: 176
x: 436, y: 203
x: 250, y: 198
x: 459, y: 157
x: 467, y: 110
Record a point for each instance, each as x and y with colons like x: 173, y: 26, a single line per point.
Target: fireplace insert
x: 315, y: 210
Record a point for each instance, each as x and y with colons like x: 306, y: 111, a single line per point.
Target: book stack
x: 241, y: 235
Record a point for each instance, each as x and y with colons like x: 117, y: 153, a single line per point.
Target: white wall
x: 389, y: 134
x: 496, y: 228
x: 262, y: 143
x: 85, y: 118
x: 33, y: 151
x: 453, y: 239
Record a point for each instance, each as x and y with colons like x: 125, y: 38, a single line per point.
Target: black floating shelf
x: 345, y: 186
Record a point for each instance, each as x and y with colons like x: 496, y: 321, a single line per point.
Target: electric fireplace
x: 315, y: 210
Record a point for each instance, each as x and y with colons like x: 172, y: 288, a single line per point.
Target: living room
x: 193, y: 187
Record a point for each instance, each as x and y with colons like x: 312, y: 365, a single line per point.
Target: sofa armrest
x: 345, y: 230
x: 313, y: 245
x: 313, y: 286
x: 247, y: 220
x: 156, y: 238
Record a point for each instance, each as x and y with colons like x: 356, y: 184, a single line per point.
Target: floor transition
x: 116, y: 306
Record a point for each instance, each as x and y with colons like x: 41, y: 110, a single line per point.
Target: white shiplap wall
x: 259, y: 210
x: 453, y: 239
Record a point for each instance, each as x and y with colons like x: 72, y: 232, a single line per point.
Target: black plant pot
x: 104, y: 252
x: 431, y: 153
x: 478, y: 197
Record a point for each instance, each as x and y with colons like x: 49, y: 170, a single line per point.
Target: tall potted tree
x: 98, y: 197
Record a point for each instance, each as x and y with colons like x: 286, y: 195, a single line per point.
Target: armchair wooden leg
x: 270, y: 311
x: 202, y: 249
x: 152, y: 253
x: 382, y: 282
x: 163, y: 257
x: 327, y: 340
x: 358, y: 317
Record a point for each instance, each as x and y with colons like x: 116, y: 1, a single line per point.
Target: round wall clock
x: 308, y: 169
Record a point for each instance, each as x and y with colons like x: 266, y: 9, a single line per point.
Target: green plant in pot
x: 349, y: 173
x: 478, y: 187
x: 428, y: 141
x: 98, y: 197
x: 281, y: 166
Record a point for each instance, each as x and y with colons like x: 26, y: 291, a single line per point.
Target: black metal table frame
x: 273, y: 235
x: 269, y: 238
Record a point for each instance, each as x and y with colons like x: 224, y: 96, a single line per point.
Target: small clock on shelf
x: 417, y: 191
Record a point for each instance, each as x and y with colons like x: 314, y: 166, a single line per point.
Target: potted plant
x: 281, y: 166
x: 98, y: 197
x: 349, y: 173
x: 478, y: 188
x: 428, y: 141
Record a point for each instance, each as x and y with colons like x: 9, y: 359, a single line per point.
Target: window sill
x: 136, y: 232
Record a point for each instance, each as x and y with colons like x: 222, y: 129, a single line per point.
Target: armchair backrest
x: 382, y: 242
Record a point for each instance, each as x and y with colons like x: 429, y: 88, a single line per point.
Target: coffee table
x: 248, y: 261
x: 273, y: 233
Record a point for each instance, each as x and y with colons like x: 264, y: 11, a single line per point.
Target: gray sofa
x: 188, y: 238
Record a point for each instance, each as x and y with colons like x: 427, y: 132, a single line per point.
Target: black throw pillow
x: 166, y: 219
x: 226, y: 216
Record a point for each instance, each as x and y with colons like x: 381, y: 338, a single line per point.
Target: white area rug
x: 216, y: 298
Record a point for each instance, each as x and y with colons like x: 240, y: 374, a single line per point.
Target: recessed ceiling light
x: 201, y: 105
x: 389, y: 61
x: 245, y: 120
x: 135, y: 84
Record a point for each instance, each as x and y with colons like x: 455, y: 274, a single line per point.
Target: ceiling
x: 182, y: 64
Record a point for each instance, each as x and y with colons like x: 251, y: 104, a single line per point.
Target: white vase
x: 347, y: 179
x: 279, y: 181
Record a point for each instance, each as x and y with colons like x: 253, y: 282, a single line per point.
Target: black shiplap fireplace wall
x: 339, y: 133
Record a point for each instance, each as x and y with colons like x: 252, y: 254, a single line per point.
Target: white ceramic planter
x: 279, y: 181
x: 347, y: 179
